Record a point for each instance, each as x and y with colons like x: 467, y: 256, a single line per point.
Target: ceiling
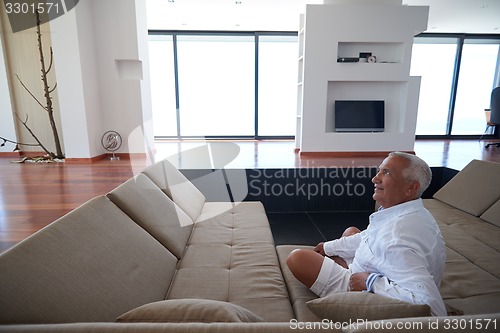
x: 445, y: 16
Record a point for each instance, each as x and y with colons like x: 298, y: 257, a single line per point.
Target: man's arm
x: 344, y: 247
x: 407, y: 278
x: 357, y: 281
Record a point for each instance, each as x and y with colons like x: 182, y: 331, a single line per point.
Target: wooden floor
x: 33, y: 195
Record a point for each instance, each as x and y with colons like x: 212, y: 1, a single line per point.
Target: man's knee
x: 351, y: 231
x: 294, y: 259
x: 300, y: 260
x: 305, y: 265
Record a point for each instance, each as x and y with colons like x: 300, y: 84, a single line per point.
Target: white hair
x: 417, y: 170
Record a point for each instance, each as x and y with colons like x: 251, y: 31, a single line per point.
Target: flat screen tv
x: 359, y: 116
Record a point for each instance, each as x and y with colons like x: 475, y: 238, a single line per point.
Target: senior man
x: 400, y: 255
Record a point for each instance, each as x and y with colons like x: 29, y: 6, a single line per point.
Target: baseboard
x: 85, y: 160
x: 21, y: 154
x: 120, y: 156
x: 9, y: 154
x: 323, y: 154
x: 70, y: 160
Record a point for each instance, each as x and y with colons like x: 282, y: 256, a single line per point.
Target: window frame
x: 256, y: 35
x: 461, y: 40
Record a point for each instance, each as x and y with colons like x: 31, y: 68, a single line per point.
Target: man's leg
x: 350, y: 231
x: 317, y: 272
x: 305, y: 265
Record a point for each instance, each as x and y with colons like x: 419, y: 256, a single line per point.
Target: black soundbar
x: 348, y: 59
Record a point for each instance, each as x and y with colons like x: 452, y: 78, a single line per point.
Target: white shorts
x: 332, y: 278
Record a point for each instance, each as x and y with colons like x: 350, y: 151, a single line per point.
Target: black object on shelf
x: 347, y: 59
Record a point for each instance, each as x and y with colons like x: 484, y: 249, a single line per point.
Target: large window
x: 223, y: 84
x: 216, y: 85
x: 434, y: 60
x: 277, y: 85
x: 458, y: 74
x: 475, y: 82
x: 161, y: 60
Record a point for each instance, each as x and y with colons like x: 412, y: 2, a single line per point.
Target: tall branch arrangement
x: 48, y: 99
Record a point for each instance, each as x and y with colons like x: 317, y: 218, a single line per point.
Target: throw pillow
x: 343, y: 307
x: 189, y: 310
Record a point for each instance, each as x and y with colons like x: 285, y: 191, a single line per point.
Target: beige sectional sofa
x: 153, y: 256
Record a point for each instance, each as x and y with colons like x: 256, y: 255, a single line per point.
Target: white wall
x: 101, y: 63
x: 7, y: 129
x: 121, y: 36
x: 144, y: 134
x: 90, y: 81
x: 69, y: 71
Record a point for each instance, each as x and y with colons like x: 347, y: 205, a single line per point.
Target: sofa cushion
x: 190, y: 310
x: 170, y: 180
x: 492, y: 215
x: 350, y: 306
x: 471, y: 280
x: 154, y: 211
x: 89, y: 265
x: 474, y: 189
x: 469, y: 235
x: 232, y: 250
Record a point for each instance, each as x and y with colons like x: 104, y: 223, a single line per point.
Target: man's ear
x: 414, y: 188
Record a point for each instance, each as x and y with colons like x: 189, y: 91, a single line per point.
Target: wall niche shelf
x: 384, y: 52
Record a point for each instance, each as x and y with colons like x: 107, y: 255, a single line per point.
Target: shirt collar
x: 398, y: 210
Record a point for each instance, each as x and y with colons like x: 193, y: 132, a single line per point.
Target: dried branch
x: 34, y: 136
x: 51, y: 90
x: 48, y: 99
x: 29, y: 92
x: 5, y: 140
x: 51, y: 60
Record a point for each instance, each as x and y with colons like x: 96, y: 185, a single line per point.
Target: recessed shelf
x: 385, y: 52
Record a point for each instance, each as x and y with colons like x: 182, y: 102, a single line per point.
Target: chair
x: 487, y: 114
x: 494, y: 113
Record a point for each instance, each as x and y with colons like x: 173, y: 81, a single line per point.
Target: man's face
x: 391, y: 188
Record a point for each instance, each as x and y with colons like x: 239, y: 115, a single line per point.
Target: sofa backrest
x: 171, y: 181
x: 92, y: 264
x: 474, y: 189
x: 155, y: 212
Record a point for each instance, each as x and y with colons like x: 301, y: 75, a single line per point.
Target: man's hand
x: 357, y: 282
x: 320, y: 248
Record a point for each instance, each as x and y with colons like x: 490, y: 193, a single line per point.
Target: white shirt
x: 405, y: 252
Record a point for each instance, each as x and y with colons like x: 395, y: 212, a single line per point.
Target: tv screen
x: 359, y: 116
